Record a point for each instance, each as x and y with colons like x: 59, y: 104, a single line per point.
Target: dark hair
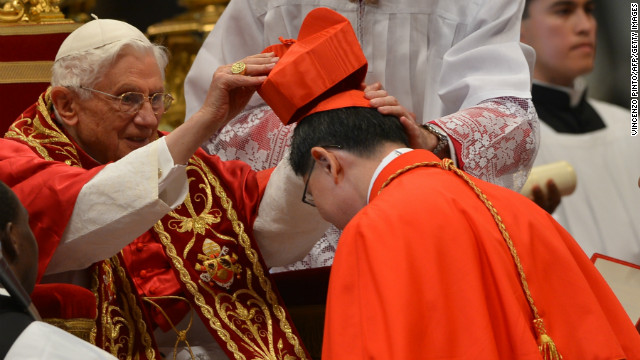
x: 8, y: 206
x: 358, y: 130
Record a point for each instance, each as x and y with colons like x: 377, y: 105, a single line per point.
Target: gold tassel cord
x: 546, y: 346
x: 182, y: 334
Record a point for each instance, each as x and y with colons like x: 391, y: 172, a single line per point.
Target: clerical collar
x: 576, y: 93
x: 392, y: 155
x: 557, y: 107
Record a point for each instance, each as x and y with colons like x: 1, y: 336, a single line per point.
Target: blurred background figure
x: 593, y: 136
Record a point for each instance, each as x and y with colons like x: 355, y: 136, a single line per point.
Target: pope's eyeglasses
x: 131, y: 102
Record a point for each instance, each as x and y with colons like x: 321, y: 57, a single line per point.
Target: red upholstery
x: 26, y: 57
x: 64, y: 301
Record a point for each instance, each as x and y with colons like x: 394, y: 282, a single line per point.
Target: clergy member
x: 592, y: 135
x: 170, y: 239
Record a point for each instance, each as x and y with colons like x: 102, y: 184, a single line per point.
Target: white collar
x: 392, y: 155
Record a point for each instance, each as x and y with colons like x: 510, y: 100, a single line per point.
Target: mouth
x: 138, y: 141
x: 583, y: 46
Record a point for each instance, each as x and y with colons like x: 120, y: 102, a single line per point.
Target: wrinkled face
x: 563, y: 33
x: 103, y: 131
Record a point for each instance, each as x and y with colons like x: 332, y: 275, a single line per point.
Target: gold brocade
x: 80, y: 327
x: 250, y: 319
x: 39, y: 135
x: 118, y: 322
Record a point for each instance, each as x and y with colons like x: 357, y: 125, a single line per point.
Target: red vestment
x: 203, y: 251
x: 422, y: 272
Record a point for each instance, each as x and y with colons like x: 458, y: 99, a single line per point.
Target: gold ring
x: 239, y: 68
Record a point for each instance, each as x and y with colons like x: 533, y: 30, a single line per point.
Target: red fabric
x: 64, y: 301
x: 14, y: 98
x: 42, y: 186
x: 423, y: 272
x: 263, y: 178
x: 23, y: 46
x: 323, y: 62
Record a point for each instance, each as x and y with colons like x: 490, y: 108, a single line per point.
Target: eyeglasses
x: 131, y: 102
x: 306, y: 197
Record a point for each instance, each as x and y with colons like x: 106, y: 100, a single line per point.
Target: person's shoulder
x: 606, y: 108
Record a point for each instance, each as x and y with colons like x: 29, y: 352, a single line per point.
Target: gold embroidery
x: 113, y: 318
x: 198, y: 224
x: 193, y: 289
x: 79, y: 327
x: 111, y: 338
x: 252, y: 255
x: 256, y: 320
x: 136, y: 311
x: 32, y: 128
x: 237, y: 317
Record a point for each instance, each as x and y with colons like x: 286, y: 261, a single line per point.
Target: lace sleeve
x: 255, y: 136
x: 496, y: 140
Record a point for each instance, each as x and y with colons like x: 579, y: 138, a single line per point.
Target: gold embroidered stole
x: 223, y: 275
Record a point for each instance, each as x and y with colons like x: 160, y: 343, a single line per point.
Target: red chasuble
x: 203, y: 251
x: 423, y: 272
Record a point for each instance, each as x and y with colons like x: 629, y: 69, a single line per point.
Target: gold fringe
x: 546, y: 345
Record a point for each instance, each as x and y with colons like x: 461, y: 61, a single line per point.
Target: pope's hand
x: 229, y: 93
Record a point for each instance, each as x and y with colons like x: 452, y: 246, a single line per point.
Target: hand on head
x: 385, y: 103
x: 389, y: 105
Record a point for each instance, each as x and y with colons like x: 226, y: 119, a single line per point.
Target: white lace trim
x: 499, y: 139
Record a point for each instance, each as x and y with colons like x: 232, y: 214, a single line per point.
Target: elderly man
x: 96, y: 177
x: 432, y: 262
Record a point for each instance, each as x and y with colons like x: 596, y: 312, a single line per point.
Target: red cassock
x: 203, y: 251
x: 423, y: 272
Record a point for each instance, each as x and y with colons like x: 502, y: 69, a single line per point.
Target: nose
x: 146, y: 116
x: 585, y: 23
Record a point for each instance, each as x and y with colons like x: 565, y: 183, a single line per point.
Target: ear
x: 64, y: 100
x: 329, y: 163
x: 9, y: 243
